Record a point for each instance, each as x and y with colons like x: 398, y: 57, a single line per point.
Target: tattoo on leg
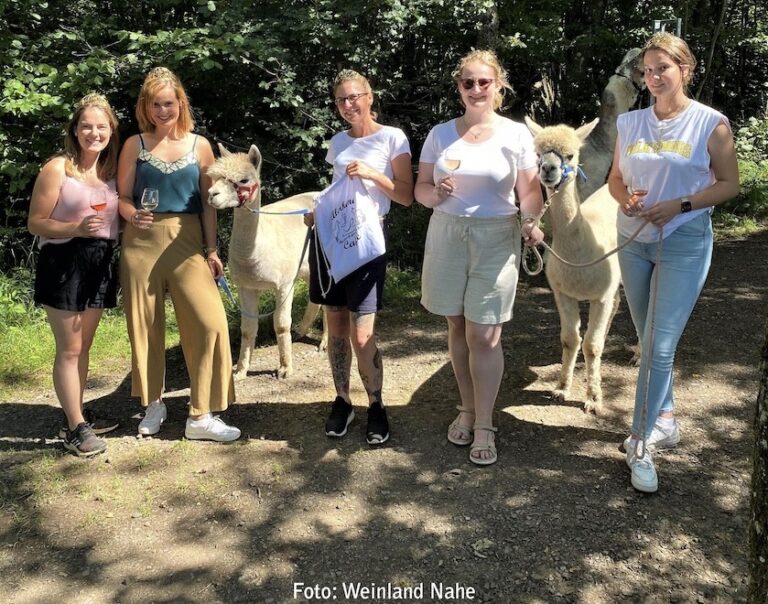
x: 340, y: 356
x: 375, y: 397
x: 377, y: 359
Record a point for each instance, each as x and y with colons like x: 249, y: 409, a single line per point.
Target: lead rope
x: 293, y: 284
x: 640, y: 443
x: 320, y: 252
x: 540, y: 261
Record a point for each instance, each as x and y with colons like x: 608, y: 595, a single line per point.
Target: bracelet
x: 530, y: 219
x: 210, y: 250
x: 131, y: 220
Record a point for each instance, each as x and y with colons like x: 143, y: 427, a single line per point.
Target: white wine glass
x: 150, y: 199
x: 452, y: 161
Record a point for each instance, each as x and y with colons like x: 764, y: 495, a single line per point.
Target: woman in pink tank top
x: 73, y: 211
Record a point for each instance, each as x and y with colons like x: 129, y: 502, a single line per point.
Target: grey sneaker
x: 644, y: 477
x: 660, y: 438
x: 154, y: 417
x: 83, y: 442
x: 99, y: 424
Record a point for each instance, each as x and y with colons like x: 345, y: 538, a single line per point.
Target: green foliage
x: 260, y: 72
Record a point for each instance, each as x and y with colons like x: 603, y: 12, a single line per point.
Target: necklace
x: 482, y: 131
x: 675, y: 111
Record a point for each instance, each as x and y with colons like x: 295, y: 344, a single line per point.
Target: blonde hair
x: 157, y: 79
x: 488, y: 57
x: 677, y: 49
x: 106, y: 165
x: 350, y: 75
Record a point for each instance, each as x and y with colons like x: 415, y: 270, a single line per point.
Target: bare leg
x: 459, y: 353
x: 486, y: 365
x: 339, y: 349
x: 369, y: 363
x: 73, y: 332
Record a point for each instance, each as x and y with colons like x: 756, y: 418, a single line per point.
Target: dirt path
x: 166, y: 520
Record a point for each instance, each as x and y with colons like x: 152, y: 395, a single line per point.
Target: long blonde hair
x: 157, y: 79
x: 106, y: 165
x: 677, y: 49
x: 488, y: 57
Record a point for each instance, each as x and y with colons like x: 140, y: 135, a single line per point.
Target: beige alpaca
x: 581, y: 233
x: 619, y: 95
x: 264, y: 252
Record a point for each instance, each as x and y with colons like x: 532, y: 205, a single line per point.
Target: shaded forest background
x: 260, y: 72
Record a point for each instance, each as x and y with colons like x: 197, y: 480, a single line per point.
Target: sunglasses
x: 352, y: 98
x: 469, y: 83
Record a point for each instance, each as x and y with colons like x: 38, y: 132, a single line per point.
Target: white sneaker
x: 153, y: 418
x: 661, y: 438
x: 644, y: 476
x: 210, y: 428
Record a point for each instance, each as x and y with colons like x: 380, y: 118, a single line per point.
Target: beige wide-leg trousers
x: 168, y: 256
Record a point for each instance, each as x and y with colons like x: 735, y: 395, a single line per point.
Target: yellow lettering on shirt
x: 680, y: 147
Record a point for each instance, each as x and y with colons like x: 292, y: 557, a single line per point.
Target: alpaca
x: 619, y: 95
x: 581, y: 233
x: 264, y: 252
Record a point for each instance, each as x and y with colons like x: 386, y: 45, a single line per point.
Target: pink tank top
x: 74, y: 204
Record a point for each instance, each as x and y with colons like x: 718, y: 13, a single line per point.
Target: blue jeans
x: 685, y: 259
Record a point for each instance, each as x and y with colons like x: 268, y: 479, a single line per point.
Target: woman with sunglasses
x: 474, y: 170
x: 381, y: 156
x: 685, y: 152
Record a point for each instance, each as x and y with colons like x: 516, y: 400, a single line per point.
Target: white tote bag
x: 347, y: 226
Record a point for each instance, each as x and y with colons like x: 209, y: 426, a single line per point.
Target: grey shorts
x: 471, y: 266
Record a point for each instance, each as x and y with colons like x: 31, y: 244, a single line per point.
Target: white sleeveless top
x: 672, y: 154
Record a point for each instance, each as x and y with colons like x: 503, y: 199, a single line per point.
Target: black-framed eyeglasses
x: 352, y: 98
x: 469, y: 83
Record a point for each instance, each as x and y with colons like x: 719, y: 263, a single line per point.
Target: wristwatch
x: 685, y: 205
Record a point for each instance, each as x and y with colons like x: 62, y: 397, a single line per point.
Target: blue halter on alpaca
x: 565, y: 168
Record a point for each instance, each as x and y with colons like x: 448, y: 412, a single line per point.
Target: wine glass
x: 452, y: 161
x: 150, y: 198
x: 98, y: 200
x: 638, y: 187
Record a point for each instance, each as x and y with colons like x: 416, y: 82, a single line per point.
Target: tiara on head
x: 92, y: 98
x: 158, y: 73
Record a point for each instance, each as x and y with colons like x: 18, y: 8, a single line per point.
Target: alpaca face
x: 558, y: 150
x: 236, y: 179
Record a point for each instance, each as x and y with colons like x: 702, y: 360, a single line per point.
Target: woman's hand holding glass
x: 446, y: 186
x: 143, y: 218
x: 638, y: 189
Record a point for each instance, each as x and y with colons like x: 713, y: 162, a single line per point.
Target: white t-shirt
x: 486, y: 176
x: 673, y: 156
x: 377, y: 150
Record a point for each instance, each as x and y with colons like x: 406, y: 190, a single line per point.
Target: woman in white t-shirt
x: 673, y: 162
x: 381, y: 156
x: 472, y: 171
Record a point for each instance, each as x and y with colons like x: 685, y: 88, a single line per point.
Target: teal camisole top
x: 178, y: 182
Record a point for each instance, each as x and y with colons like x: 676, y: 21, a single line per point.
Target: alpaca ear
x: 255, y: 156
x: 533, y: 126
x: 223, y: 151
x: 584, y: 131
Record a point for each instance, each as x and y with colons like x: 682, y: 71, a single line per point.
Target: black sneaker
x: 99, y: 425
x: 341, y: 416
x: 377, y: 432
x: 83, y: 442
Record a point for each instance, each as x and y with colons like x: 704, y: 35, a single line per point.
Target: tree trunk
x: 758, y: 528
x: 711, y: 53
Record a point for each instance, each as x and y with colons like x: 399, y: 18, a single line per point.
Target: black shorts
x: 76, y: 275
x: 361, y: 291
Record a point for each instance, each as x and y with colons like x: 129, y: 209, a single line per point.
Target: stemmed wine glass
x: 452, y: 161
x: 150, y: 198
x: 98, y: 200
x: 638, y: 187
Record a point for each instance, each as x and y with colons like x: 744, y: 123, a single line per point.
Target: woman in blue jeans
x: 673, y: 162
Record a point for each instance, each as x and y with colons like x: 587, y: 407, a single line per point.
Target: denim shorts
x: 77, y: 275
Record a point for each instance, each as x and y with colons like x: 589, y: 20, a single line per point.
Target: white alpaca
x: 581, y: 233
x: 264, y: 252
x: 619, y: 95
